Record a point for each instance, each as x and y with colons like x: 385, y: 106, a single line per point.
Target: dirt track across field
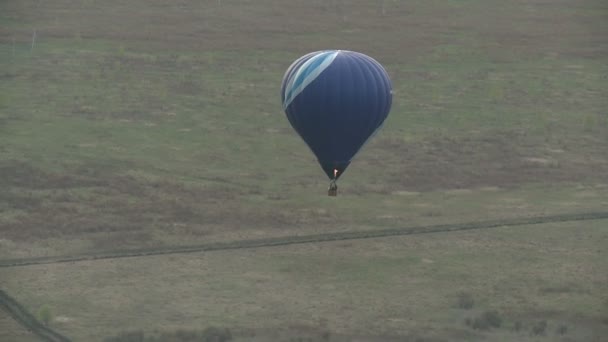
x: 316, y: 238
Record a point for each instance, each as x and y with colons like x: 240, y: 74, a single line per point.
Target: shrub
x: 185, y: 335
x: 562, y: 329
x: 517, y: 326
x: 540, y: 328
x: 44, y: 315
x: 213, y: 334
x: 465, y: 301
x: 487, y: 320
x: 468, y: 321
x: 127, y: 336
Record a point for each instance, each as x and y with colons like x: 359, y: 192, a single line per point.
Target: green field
x: 132, y: 124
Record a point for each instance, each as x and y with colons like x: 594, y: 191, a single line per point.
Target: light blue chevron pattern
x: 307, y: 73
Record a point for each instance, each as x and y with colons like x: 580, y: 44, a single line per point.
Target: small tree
x: 44, y: 315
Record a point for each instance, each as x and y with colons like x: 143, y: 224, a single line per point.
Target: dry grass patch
x: 366, y: 287
x: 10, y: 330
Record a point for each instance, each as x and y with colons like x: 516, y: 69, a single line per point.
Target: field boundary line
x: 302, y: 239
x: 28, y: 321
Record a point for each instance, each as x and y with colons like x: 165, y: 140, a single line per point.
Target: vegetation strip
x: 315, y: 238
x: 23, y: 317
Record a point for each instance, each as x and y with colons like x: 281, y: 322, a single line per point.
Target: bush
x: 213, y: 334
x: 468, y: 321
x: 517, y: 326
x: 487, y: 320
x: 44, y: 315
x: 540, y: 328
x: 184, y: 335
x: 465, y: 301
x: 127, y: 336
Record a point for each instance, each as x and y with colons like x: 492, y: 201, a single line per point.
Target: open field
x: 343, y: 236
x: 31, y: 324
x: 155, y: 123
x: 10, y: 330
x: 143, y: 132
x: 398, y: 210
x: 406, y: 286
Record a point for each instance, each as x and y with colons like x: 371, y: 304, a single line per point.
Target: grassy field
x: 10, y: 330
x: 154, y: 123
x: 405, y: 286
x: 124, y: 129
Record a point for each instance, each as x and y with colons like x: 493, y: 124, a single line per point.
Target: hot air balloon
x: 336, y: 100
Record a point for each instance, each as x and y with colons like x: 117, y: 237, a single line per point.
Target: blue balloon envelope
x: 336, y: 100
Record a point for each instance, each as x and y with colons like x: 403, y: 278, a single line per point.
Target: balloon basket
x: 333, y: 190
